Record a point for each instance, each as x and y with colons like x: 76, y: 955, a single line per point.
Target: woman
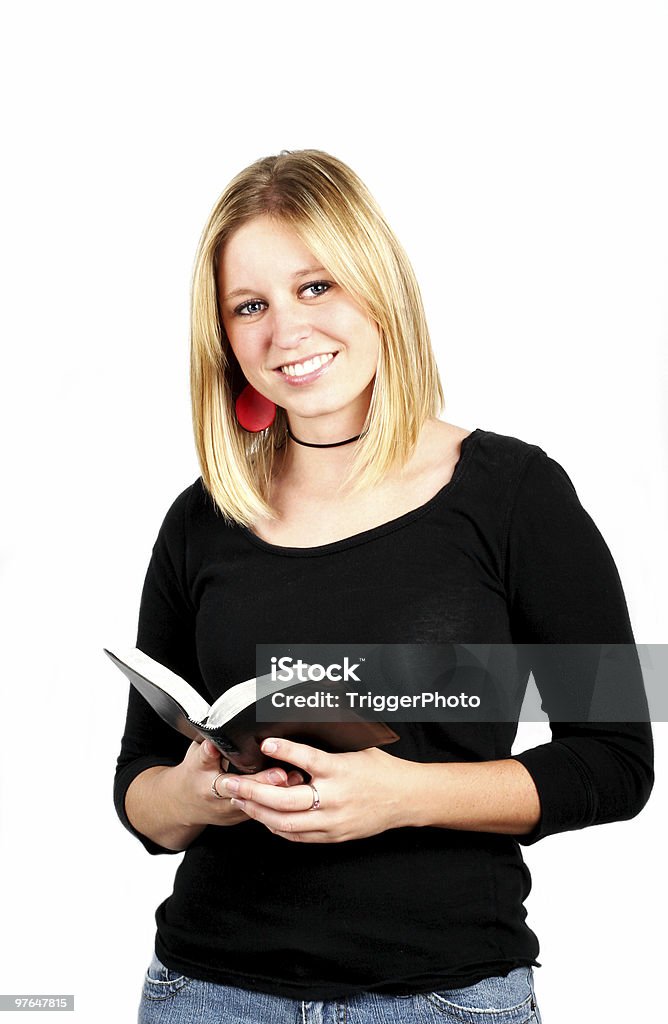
x: 334, y: 507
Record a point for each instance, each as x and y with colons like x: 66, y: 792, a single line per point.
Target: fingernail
x: 276, y: 777
x: 231, y: 785
x: 269, y: 746
x: 237, y: 802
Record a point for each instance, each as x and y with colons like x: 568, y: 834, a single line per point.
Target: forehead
x: 262, y: 246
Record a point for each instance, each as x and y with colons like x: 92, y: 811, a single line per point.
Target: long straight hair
x: 334, y: 215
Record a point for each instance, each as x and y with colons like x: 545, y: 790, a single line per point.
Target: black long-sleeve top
x: 503, y: 553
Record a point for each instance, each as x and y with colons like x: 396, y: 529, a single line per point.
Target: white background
x: 519, y: 150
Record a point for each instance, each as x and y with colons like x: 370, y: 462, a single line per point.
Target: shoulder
x: 192, y: 500
x: 533, y: 498
x: 500, y: 450
x: 186, y: 527
x: 190, y: 506
x: 485, y: 466
x: 505, y: 452
x: 515, y: 465
x: 502, y: 480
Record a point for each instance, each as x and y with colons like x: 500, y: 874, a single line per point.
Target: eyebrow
x: 298, y: 273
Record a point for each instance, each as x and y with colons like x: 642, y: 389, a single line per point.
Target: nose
x: 289, y: 326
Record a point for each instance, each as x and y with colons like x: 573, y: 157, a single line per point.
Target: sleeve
x: 166, y: 632
x: 564, y: 589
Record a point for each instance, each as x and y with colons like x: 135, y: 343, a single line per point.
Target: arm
x: 162, y: 787
x: 564, y: 589
x: 149, y: 803
x: 149, y: 746
x: 486, y: 796
x: 490, y: 796
x: 171, y: 806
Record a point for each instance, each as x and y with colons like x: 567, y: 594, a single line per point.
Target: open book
x: 231, y: 723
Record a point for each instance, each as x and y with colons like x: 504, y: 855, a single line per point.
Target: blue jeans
x: 171, y: 998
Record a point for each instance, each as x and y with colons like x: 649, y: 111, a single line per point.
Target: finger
x: 290, y: 825
x: 282, y: 798
x: 304, y: 837
x: 209, y: 754
x: 271, y: 777
x: 301, y: 755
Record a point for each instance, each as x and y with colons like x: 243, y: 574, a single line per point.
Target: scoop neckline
x: 465, y: 449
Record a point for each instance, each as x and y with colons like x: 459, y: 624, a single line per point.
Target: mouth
x: 307, y: 367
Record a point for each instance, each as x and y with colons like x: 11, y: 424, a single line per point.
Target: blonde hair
x: 335, y: 216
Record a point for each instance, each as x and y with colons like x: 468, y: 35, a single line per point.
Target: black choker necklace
x: 335, y: 444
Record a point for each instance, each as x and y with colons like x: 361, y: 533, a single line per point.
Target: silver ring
x: 316, y: 798
x: 213, y: 786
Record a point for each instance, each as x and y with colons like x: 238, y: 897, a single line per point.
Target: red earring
x: 254, y: 411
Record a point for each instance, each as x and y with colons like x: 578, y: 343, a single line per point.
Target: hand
x: 361, y: 794
x: 191, y: 787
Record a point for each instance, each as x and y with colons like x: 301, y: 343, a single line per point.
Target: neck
x: 322, y: 454
x: 330, y: 429
x: 321, y: 444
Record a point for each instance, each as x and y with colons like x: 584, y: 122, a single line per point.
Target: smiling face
x: 299, y: 338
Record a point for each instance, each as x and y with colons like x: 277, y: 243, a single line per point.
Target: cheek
x: 245, y: 345
x: 352, y: 326
x: 369, y: 340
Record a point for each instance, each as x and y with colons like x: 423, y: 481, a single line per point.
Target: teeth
x: 300, y: 369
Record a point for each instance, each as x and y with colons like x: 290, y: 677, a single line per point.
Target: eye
x: 250, y: 308
x: 315, y: 288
